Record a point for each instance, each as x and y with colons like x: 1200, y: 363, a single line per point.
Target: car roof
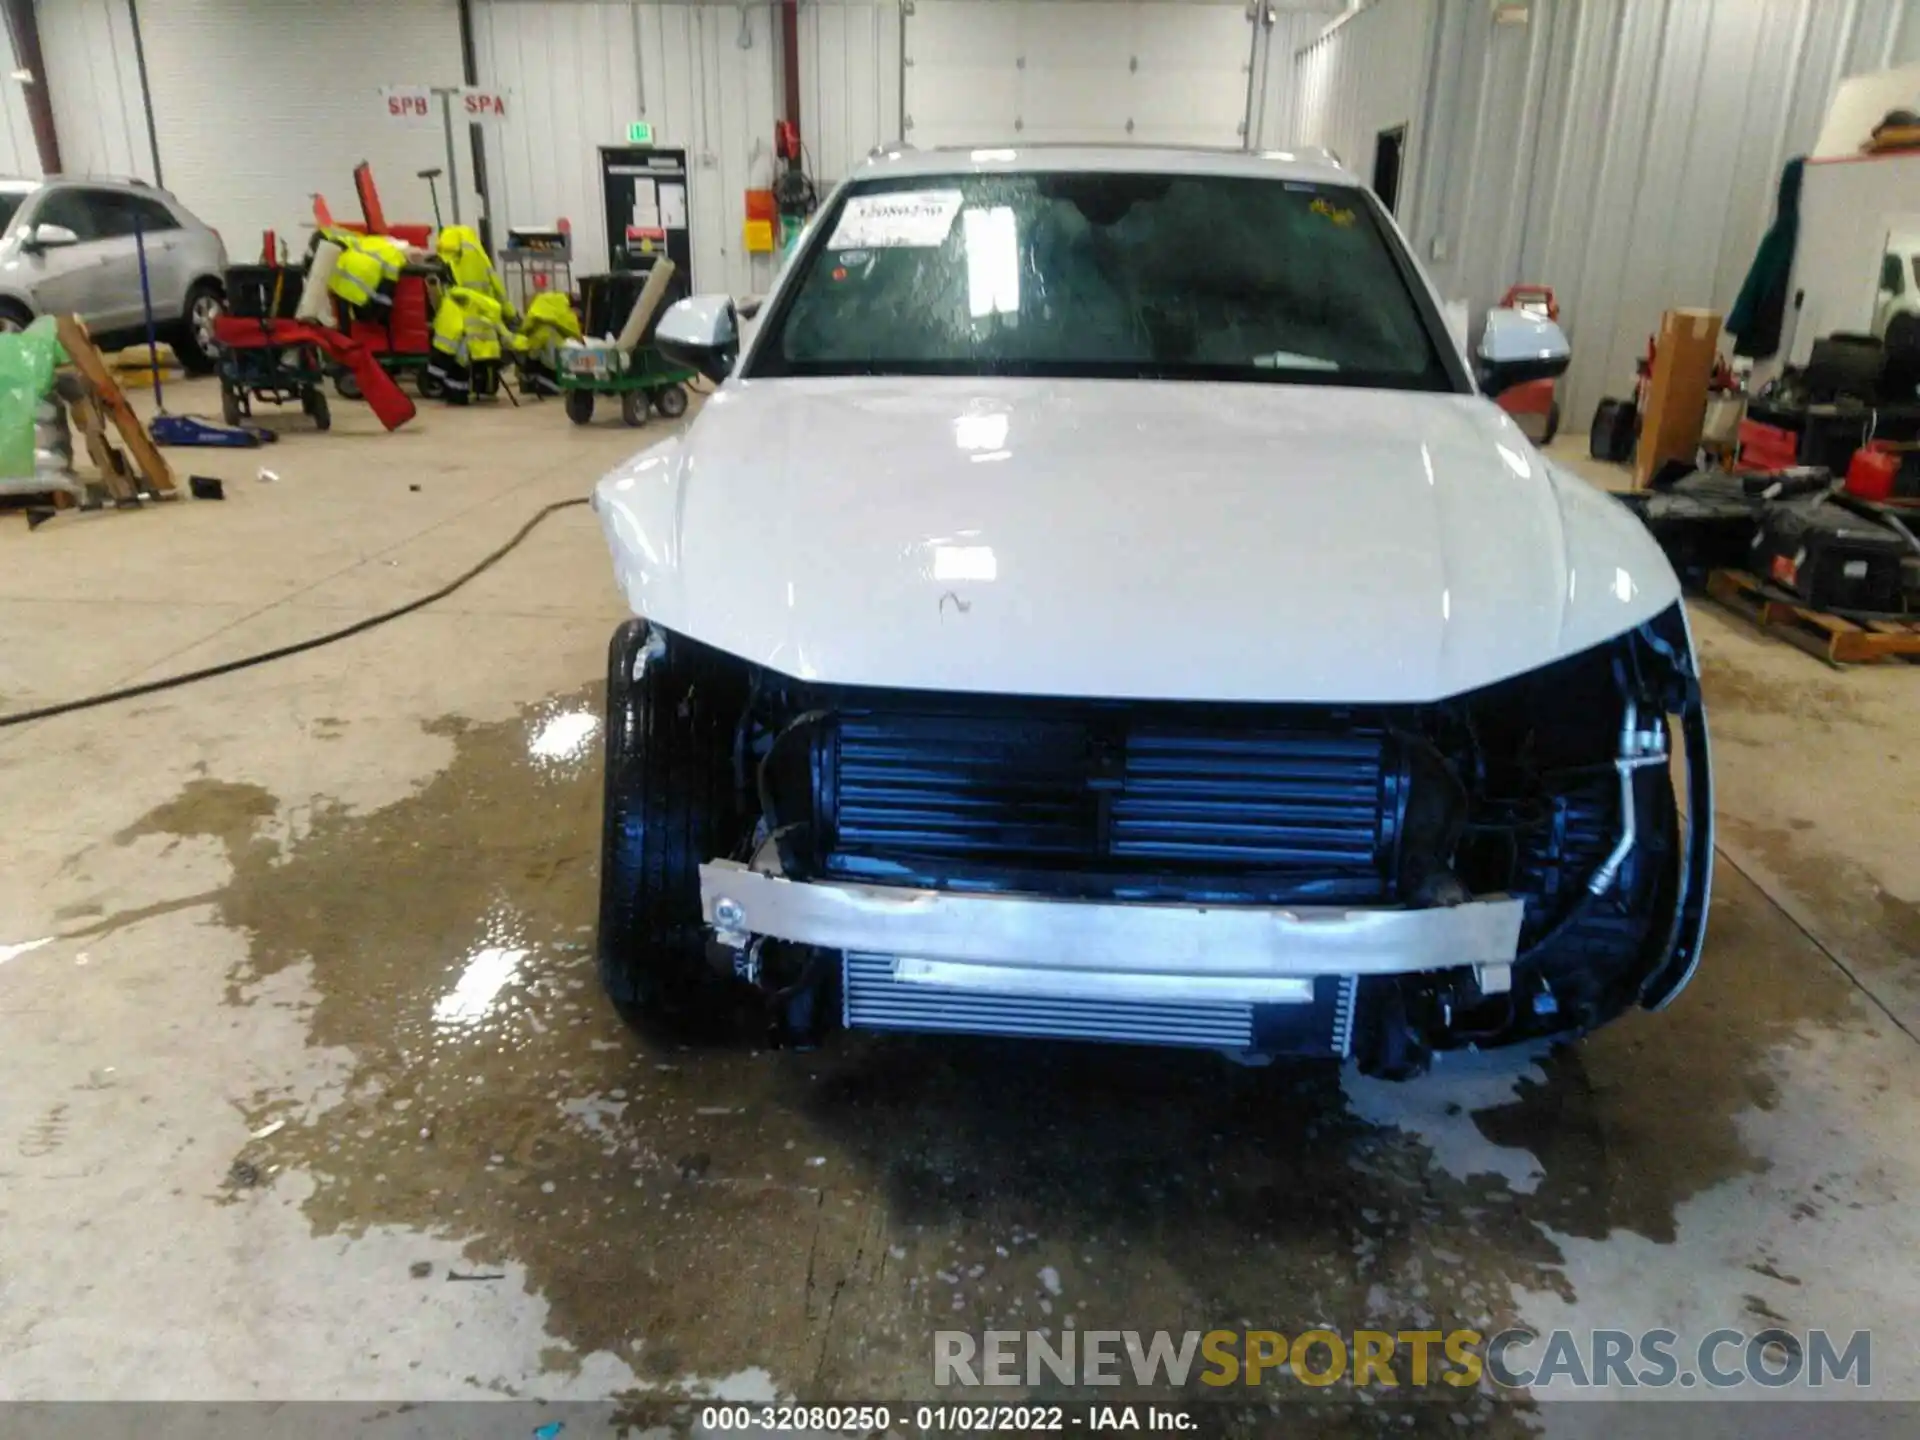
x: 24, y: 184
x: 107, y: 182
x: 1310, y: 163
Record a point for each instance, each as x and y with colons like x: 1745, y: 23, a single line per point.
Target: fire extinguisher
x: 793, y: 193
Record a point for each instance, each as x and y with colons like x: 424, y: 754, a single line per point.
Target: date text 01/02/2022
x: 988, y: 1419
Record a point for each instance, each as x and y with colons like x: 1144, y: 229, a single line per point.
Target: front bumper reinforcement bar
x: 1096, y: 941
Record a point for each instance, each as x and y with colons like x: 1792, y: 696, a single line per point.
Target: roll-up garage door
x: 1009, y: 71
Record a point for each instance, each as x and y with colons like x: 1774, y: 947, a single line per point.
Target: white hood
x: 1130, y: 539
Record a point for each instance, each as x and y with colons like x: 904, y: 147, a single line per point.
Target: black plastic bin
x: 265, y: 292
x: 607, y: 300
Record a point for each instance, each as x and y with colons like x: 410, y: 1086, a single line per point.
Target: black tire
x: 671, y: 401
x: 346, y: 385
x: 669, y: 806
x: 314, y: 402
x: 14, y: 317
x: 580, y: 406
x: 198, y: 351
x: 430, y: 385
x: 230, y: 408
x: 633, y: 406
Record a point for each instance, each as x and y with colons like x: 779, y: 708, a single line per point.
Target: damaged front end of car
x: 1367, y: 882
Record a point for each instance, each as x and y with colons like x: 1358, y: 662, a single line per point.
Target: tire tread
x: 669, y: 793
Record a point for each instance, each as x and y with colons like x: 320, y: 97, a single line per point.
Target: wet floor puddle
x: 703, y: 1212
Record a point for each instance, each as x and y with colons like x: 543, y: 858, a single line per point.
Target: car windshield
x: 1104, y: 275
x: 10, y: 202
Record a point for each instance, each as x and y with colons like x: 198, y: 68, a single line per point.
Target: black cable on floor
x: 133, y: 692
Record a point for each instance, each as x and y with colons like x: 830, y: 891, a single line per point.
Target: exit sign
x: 640, y: 132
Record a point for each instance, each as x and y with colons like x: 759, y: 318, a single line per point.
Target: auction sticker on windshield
x: 916, y: 218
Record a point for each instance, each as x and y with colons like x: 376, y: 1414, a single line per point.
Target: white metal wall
x: 1623, y: 151
x: 1362, y: 74
x: 849, y: 82
x: 708, y: 76
x: 95, y: 86
x: 1275, y: 121
x: 258, y: 103
x: 18, y: 153
x: 1006, y: 71
x: 1655, y: 189
x: 704, y: 74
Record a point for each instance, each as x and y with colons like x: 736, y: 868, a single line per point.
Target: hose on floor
x: 359, y: 627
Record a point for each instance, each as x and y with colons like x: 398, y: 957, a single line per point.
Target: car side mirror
x: 51, y: 237
x: 1518, y: 346
x: 703, y: 332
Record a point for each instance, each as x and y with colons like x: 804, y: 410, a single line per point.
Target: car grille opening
x: 1133, y: 802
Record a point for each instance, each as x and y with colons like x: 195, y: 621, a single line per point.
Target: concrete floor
x: 306, y: 1090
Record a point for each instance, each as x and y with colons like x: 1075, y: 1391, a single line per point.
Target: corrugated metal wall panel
x: 18, y: 153
x: 1365, y: 74
x: 1274, y: 124
x: 94, y: 81
x: 849, y: 83
x: 1623, y: 151
x: 259, y: 103
x: 706, y: 75
x: 571, y: 71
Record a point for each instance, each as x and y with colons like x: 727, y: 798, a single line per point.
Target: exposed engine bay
x: 1555, y: 789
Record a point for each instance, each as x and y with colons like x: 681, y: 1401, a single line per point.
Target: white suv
x: 1102, y: 602
x: 69, y: 247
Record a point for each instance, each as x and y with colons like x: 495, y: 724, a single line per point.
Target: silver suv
x: 68, y: 247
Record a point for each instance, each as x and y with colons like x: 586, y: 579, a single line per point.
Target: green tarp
x: 28, y: 359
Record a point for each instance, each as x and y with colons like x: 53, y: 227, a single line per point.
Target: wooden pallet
x: 1832, y: 638
x: 155, y: 474
x: 22, y: 502
x: 116, y: 474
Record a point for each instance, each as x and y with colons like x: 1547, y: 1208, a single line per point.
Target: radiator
x: 872, y: 999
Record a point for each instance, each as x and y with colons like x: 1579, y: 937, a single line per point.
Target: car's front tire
x: 199, y: 352
x: 670, y: 804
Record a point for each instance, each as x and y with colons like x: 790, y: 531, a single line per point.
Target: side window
x: 117, y: 213
x: 153, y: 216
x: 1890, y: 280
x: 73, y: 209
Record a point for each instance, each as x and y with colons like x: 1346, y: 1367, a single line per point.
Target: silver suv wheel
x: 206, y: 309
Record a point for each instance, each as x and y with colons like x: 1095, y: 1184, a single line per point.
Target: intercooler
x: 1179, y: 803
x: 1117, y: 802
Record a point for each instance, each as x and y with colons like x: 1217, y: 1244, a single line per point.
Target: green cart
x: 643, y: 380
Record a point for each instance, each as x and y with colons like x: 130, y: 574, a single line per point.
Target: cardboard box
x: 1683, y: 356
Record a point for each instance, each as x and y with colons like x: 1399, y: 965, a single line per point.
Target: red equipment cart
x: 280, y: 360
x: 403, y: 340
